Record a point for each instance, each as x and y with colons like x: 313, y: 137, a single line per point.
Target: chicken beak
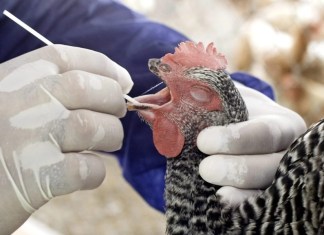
x: 137, y: 107
x: 133, y: 105
x: 149, y: 102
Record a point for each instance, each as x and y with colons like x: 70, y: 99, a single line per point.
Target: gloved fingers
x: 234, y: 196
x: 270, y: 128
x: 12, y: 80
x: 43, y: 172
x: 78, y: 171
x: 262, y: 135
x: 82, y: 90
x: 87, y: 130
x: 73, y: 58
x: 244, y: 171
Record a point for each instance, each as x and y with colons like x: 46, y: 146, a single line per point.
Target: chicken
x: 199, y: 94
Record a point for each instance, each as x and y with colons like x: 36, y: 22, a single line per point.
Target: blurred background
x: 279, y: 41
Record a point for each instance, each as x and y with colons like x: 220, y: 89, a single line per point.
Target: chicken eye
x: 164, y: 68
x: 201, y: 94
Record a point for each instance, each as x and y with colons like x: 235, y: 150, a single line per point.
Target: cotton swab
x: 26, y: 27
x: 48, y: 42
x: 130, y: 99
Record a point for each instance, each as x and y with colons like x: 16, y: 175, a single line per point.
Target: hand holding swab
x: 48, y: 42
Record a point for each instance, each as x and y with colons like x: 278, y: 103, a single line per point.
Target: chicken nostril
x: 153, y: 65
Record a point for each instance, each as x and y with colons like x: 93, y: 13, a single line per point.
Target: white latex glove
x: 245, y: 156
x: 55, y: 102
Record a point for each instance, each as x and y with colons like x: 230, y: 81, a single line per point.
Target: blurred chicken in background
x: 283, y: 43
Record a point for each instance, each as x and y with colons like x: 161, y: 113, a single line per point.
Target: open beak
x: 150, y: 102
x: 139, y: 106
x: 153, y: 101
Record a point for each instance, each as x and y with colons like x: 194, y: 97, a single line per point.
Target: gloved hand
x: 56, y: 102
x: 245, y: 156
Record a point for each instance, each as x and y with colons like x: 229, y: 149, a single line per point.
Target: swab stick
x: 130, y: 99
x: 26, y: 27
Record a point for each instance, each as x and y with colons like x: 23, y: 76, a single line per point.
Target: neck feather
x: 191, y: 203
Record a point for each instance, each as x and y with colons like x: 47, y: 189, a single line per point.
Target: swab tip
x: 130, y: 99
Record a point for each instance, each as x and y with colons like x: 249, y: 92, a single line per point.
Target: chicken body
x: 293, y: 204
x: 199, y: 94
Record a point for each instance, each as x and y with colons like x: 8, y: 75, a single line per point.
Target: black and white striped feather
x: 293, y: 204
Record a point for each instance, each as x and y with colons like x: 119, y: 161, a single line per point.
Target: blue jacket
x: 126, y: 37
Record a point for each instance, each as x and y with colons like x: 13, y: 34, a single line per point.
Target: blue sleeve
x: 128, y: 38
x: 254, y: 83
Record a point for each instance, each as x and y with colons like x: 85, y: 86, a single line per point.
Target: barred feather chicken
x: 199, y: 94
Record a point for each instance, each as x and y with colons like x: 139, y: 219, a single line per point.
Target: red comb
x: 190, y: 54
